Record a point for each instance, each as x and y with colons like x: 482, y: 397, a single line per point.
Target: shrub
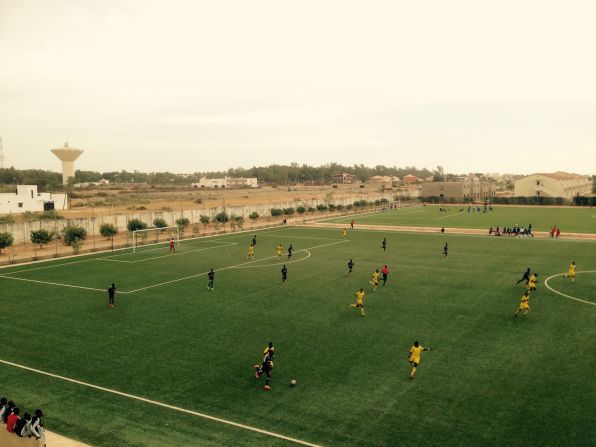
x: 160, y: 222
x: 276, y: 212
x: 73, y: 233
x: 360, y: 203
x: 384, y: 201
x: 332, y: 207
x: 321, y: 207
x: 183, y: 222
x: 8, y: 219
x: 50, y: 215
x: 198, y: 201
x: 254, y: 216
x: 349, y: 207
x: 102, y: 194
x: 288, y: 211
x: 339, y: 207
x: 135, y: 224
x: 311, y: 209
x: 300, y: 210
x: 41, y: 237
x: 6, y: 240
x: 108, y: 230
x: 204, y: 220
x: 239, y: 222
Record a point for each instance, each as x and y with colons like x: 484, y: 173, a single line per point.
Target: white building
x: 226, y: 182
x: 28, y: 199
x: 557, y: 184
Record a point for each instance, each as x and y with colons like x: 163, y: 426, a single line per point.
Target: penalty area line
x: 162, y: 404
x: 51, y: 283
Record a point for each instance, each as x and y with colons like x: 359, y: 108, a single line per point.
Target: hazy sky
x: 185, y: 86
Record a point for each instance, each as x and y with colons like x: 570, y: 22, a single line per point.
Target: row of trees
x: 272, y: 174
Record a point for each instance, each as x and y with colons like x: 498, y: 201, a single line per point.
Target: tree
x: 182, y: 224
x: 108, y: 230
x: 136, y: 224
x: 41, y: 237
x: 205, y: 221
x: 74, y: 236
x: 239, y: 222
x: 222, y: 217
x: 321, y: 207
x: 288, y: 211
x: 6, y: 240
x: 300, y: 210
x: 254, y: 216
x: 160, y: 222
x: 276, y: 212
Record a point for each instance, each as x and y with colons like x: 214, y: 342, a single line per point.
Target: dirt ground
x: 103, y: 201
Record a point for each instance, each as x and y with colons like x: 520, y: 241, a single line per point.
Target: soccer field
x: 570, y: 220
x: 489, y: 380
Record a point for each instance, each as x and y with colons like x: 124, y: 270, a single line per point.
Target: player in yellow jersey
x: 279, y: 249
x: 532, y: 282
x: 344, y: 232
x: 359, y: 301
x: 251, y: 252
x: 415, y: 355
x: 571, y: 272
x: 523, y: 305
x: 374, y: 280
x: 270, y: 349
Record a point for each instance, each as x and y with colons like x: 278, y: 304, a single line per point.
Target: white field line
x: 52, y: 283
x: 303, y: 237
x: 277, y: 263
x: 445, y: 217
x: 370, y: 212
x: 163, y: 245
x: 47, y: 267
x: 167, y: 255
x: 224, y: 268
x: 161, y: 404
x: 568, y: 296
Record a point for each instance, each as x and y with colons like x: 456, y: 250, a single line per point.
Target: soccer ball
x: 293, y: 382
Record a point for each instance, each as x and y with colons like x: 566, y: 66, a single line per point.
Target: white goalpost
x: 154, y: 236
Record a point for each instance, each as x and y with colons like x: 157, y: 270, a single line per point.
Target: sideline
x: 161, y: 404
x: 568, y: 296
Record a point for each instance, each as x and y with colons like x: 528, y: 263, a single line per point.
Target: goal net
x: 154, y: 236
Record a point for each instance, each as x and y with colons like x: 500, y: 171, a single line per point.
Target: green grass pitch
x: 570, y: 220
x: 489, y: 380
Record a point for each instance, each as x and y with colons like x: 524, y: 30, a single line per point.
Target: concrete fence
x: 21, y: 231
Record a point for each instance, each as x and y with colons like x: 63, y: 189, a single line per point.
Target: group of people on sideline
x: 27, y: 426
x: 515, y: 230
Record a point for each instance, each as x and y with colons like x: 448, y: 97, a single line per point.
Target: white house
x: 226, y: 182
x: 28, y: 199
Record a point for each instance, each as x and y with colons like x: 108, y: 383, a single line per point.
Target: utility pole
x: 1, y: 155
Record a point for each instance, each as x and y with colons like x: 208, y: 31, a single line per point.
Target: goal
x: 154, y: 236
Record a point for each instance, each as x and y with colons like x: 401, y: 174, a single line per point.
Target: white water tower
x: 67, y: 155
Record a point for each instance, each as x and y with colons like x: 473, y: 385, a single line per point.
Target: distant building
x: 476, y: 190
x: 381, y: 180
x: 557, y: 184
x: 28, y: 199
x: 410, y: 178
x: 226, y: 182
x: 101, y: 182
x: 343, y: 178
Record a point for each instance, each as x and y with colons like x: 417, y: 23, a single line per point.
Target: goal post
x: 154, y: 236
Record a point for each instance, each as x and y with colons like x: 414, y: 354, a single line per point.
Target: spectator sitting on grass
x: 3, y: 407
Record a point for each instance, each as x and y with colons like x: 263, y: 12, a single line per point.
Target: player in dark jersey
x: 350, y: 266
x: 265, y: 368
x: 111, y: 295
x: 384, y: 244
x: 284, y: 274
x: 445, y: 249
x: 254, y: 240
x: 290, y: 250
x: 525, y: 278
x: 211, y: 276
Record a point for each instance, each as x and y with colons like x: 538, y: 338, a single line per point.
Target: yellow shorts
x: 415, y: 360
x: 571, y: 274
x: 524, y: 306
